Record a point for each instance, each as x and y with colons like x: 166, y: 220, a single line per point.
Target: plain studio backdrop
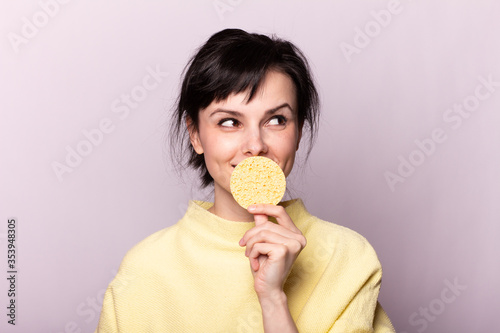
x: 408, y: 152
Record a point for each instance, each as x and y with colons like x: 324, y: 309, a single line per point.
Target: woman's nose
x: 254, y: 143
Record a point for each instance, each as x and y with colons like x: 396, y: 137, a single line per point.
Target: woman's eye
x: 277, y: 120
x: 228, y: 122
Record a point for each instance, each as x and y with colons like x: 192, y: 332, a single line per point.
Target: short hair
x: 235, y: 61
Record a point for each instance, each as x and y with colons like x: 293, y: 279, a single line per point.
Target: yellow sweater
x: 194, y: 277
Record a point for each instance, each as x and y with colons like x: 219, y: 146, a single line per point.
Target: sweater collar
x: 208, y: 227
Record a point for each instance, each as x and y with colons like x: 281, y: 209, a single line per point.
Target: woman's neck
x: 227, y: 208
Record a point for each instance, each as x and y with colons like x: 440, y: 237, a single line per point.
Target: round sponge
x: 257, y: 180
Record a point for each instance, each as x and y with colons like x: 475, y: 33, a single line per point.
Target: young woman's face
x: 231, y: 130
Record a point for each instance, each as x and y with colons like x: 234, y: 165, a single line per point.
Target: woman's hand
x: 272, y: 248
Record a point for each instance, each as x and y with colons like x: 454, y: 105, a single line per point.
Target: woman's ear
x: 194, y: 136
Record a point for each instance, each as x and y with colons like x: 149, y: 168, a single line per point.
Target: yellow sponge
x: 257, y: 180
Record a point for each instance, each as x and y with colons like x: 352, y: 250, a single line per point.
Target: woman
x: 222, y: 268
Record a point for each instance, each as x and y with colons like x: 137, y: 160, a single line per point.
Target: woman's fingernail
x: 241, y: 242
x: 252, y: 208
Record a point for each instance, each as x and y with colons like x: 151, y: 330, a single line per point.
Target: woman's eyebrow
x: 239, y: 114
x: 276, y: 109
x: 219, y: 110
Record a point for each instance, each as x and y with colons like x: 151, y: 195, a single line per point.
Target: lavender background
x: 390, y: 74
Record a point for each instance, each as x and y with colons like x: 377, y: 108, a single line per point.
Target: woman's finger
x: 266, y: 236
x: 260, y: 219
x: 278, y: 212
x: 271, y: 226
x: 263, y: 233
x: 275, y: 254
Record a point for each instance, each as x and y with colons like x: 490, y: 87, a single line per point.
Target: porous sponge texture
x: 257, y: 180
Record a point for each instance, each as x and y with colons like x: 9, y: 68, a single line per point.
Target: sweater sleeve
x: 360, y: 314
x: 381, y: 322
x: 364, y: 314
x: 107, y: 321
x: 354, y: 277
